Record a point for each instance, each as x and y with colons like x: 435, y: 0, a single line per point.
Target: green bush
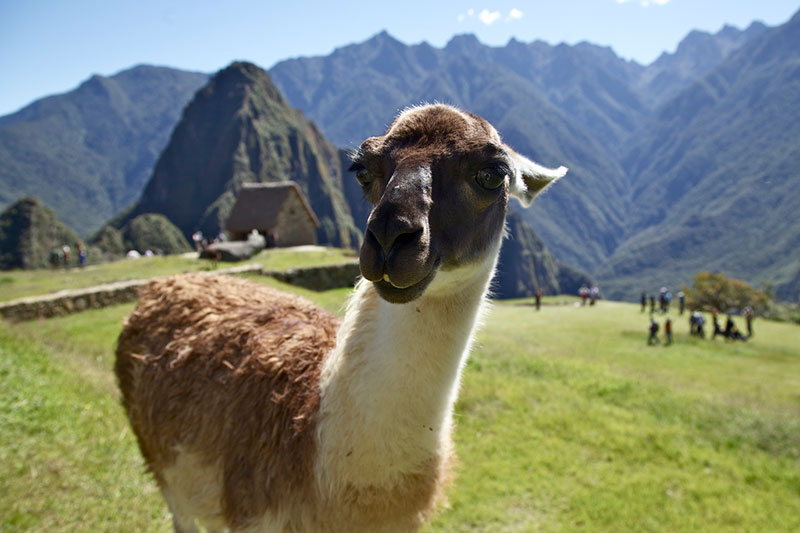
x: 717, y: 291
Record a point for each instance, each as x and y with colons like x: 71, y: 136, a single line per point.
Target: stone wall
x: 320, y: 278
x: 73, y: 301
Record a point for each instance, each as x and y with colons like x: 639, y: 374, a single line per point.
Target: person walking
x: 681, y: 301
x: 653, y: 338
x: 701, y: 321
x: 583, y: 292
x: 749, y: 314
x: 538, y: 296
x: 81, y: 254
x: 65, y: 250
x: 668, y: 331
x: 644, y: 301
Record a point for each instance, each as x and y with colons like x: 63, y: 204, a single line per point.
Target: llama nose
x: 393, y: 231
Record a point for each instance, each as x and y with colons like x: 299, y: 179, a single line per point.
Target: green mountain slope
x: 88, y: 153
x: 697, y: 54
x: 716, y: 179
x: 29, y: 232
x: 525, y: 265
x: 649, y: 199
x: 239, y: 129
x: 332, y: 91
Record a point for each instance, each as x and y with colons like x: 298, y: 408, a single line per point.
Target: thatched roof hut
x: 278, y: 210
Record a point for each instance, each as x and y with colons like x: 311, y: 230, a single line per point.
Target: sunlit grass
x: 566, y: 421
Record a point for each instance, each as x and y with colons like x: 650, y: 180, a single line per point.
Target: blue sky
x: 49, y: 46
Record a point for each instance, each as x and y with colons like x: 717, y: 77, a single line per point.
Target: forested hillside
x: 681, y: 165
x: 88, y: 153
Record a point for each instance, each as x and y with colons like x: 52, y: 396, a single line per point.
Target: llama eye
x: 490, y: 178
x: 364, y: 177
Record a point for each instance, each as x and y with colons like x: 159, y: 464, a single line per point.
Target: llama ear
x: 531, y: 178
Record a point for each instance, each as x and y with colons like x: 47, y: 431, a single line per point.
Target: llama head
x: 439, y: 181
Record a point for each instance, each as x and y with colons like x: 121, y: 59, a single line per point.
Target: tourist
x: 81, y: 254
x: 65, y: 255
x: 668, y: 331
x: 583, y: 292
x: 653, y: 338
x: 749, y: 314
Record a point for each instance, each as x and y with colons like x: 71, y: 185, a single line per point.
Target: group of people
x: 731, y: 332
x: 696, y: 320
x: 62, y: 256
x: 201, y: 242
x: 654, y: 327
x: 664, y: 301
x: 589, y: 294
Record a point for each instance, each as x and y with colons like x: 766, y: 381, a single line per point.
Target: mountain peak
x: 238, y: 129
x: 244, y: 75
x: 464, y: 43
x: 383, y: 38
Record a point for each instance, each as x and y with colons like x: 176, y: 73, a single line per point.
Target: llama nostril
x: 407, y: 237
x: 371, y: 259
x: 394, y: 236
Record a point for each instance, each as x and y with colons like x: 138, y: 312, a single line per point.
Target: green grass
x: 20, y: 283
x: 566, y: 421
x: 68, y: 461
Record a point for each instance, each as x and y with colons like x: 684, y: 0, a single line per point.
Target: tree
x: 716, y: 290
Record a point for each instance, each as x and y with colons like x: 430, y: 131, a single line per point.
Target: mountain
x: 678, y: 166
x: 670, y: 163
x: 525, y: 265
x: 332, y: 91
x: 715, y: 179
x: 697, y: 55
x: 29, y: 233
x: 587, y: 82
x: 238, y: 129
x: 88, y: 153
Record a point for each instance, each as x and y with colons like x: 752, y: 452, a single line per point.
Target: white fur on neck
x: 388, y: 388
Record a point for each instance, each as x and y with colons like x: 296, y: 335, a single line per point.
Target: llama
x: 255, y: 410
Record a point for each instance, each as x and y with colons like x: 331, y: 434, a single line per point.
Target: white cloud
x: 488, y: 17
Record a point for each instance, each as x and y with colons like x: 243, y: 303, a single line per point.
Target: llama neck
x: 388, y: 388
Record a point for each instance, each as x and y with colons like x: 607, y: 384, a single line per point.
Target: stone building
x: 278, y: 211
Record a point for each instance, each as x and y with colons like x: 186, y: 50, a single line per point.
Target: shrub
x: 716, y: 290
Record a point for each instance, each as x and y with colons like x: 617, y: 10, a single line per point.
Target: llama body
x: 255, y: 410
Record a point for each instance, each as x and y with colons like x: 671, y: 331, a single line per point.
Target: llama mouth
x: 402, y: 295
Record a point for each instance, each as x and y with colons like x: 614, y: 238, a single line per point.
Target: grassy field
x: 567, y: 421
x: 20, y: 283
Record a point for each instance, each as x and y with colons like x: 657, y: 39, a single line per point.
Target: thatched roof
x: 258, y: 205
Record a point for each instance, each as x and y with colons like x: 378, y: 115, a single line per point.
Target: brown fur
x: 228, y: 369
